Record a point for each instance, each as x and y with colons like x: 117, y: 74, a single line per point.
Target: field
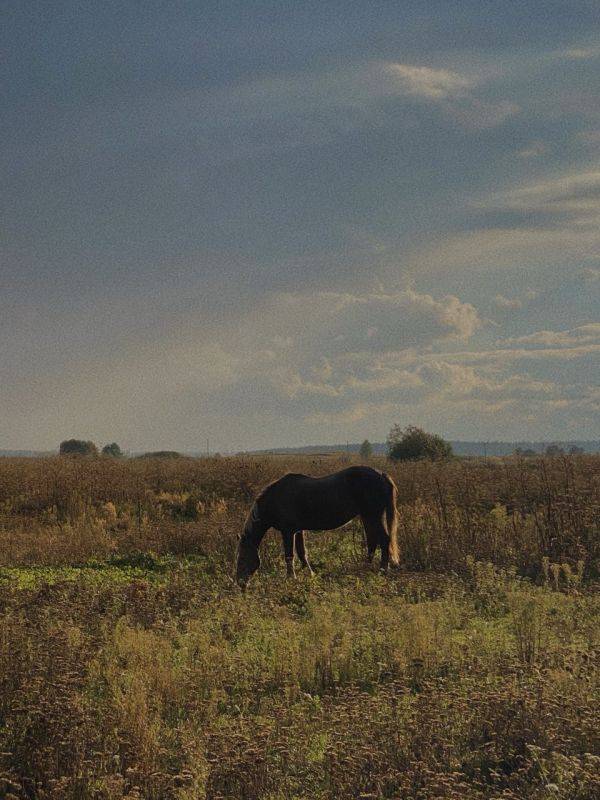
x: 132, y: 667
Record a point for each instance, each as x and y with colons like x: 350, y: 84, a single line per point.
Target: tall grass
x: 509, y: 512
x: 132, y: 667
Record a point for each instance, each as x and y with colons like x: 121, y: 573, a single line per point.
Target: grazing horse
x: 296, y: 503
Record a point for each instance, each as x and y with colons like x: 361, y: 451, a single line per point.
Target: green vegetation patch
x: 117, y: 570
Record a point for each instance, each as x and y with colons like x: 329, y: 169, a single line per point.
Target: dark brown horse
x: 296, y: 503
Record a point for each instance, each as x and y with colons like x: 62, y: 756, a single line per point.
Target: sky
x: 280, y: 223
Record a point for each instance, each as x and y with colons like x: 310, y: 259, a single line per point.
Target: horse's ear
x: 239, y: 537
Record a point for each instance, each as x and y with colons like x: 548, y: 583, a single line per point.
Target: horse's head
x: 248, y: 560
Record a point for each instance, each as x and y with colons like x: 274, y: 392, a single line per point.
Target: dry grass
x: 130, y: 667
x: 509, y: 512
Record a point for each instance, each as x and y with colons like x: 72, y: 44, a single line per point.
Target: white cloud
x: 332, y: 323
x: 582, y: 335
x: 352, y: 86
x: 358, y: 385
x: 514, y: 303
x: 543, y: 224
x: 341, y: 342
x: 357, y: 89
x: 445, y: 393
x: 507, y: 355
x: 507, y: 302
x: 533, y: 150
x: 576, y: 193
x: 513, y: 248
x: 580, y: 53
x: 432, y: 84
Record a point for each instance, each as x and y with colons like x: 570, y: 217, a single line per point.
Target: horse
x: 295, y: 503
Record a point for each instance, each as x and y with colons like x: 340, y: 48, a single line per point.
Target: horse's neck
x: 254, y: 533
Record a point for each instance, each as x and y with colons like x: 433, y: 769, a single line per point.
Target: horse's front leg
x: 288, y: 552
x: 301, y: 551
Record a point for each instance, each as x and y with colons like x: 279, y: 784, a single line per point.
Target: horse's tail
x: 391, y: 519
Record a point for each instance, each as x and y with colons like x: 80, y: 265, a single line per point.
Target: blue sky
x: 273, y: 223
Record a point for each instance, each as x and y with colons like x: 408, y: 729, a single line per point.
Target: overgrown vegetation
x: 112, y: 450
x: 415, y: 444
x: 131, y: 667
x: 77, y: 447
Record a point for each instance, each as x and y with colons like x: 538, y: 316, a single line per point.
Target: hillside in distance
x: 24, y: 453
x: 460, y: 448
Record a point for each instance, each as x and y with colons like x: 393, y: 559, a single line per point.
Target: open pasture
x: 132, y: 667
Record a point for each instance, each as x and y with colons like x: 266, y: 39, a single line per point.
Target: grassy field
x: 132, y: 667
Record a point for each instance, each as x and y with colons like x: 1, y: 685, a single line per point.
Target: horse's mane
x: 285, y: 477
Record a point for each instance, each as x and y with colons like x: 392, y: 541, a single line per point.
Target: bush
x: 113, y: 450
x: 77, y: 447
x: 414, y: 444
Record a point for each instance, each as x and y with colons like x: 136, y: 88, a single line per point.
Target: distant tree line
x: 551, y: 450
x: 403, y: 444
x: 81, y: 447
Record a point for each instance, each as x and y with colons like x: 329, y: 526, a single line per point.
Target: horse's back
x: 355, y: 477
x: 326, y: 502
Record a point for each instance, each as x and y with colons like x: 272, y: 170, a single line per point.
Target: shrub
x: 113, y: 450
x: 77, y: 447
x: 414, y: 444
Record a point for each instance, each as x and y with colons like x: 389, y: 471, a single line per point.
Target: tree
x: 575, y: 450
x: 77, y: 447
x: 413, y: 444
x: 113, y: 450
x: 554, y: 450
x: 366, y: 450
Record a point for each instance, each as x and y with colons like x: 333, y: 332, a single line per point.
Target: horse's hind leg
x: 377, y: 536
x: 372, y: 537
x: 301, y: 550
x: 288, y: 552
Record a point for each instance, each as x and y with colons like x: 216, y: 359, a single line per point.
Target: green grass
x: 157, y: 676
x: 117, y: 570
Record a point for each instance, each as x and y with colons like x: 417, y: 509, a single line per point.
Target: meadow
x: 132, y: 667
